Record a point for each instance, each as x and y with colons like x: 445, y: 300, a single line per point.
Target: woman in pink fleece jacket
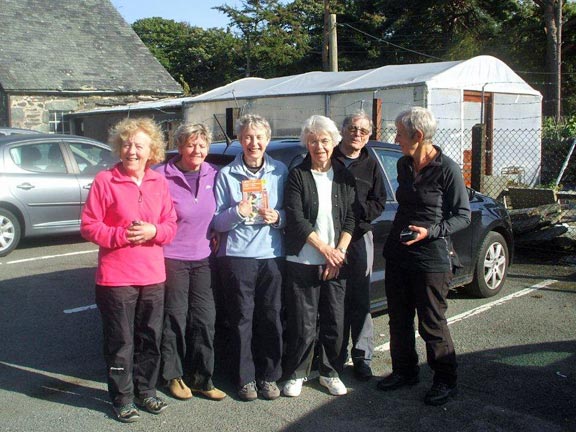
x: 130, y: 215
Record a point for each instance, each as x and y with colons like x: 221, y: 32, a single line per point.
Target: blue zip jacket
x: 260, y: 241
x: 195, y: 212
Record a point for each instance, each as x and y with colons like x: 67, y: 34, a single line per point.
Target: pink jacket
x: 113, y: 203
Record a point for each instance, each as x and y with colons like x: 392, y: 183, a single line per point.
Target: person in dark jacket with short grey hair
x: 352, y: 154
x: 433, y: 204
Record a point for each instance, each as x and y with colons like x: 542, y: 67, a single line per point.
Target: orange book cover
x: 254, y: 191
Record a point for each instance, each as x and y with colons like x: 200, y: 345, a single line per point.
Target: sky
x: 196, y: 13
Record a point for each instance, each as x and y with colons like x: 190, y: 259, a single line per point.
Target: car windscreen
x: 388, y: 159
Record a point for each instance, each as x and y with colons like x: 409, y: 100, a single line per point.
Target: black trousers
x: 408, y: 292
x: 357, y: 318
x: 253, y: 303
x: 132, y: 326
x: 189, y: 320
x: 308, y: 301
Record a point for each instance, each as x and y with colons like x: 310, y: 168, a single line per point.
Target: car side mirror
x: 471, y: 193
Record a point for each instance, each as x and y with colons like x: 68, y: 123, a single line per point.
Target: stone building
x: 62, y: 56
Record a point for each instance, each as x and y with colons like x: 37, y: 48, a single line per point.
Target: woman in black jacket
x: 320, y: 221
x: 432, y: 205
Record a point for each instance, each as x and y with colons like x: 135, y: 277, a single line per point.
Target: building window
x: 57, y: 122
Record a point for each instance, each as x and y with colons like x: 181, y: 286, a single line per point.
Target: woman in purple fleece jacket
x: 189, y: 308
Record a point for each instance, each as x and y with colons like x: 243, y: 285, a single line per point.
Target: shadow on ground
x: 529, y: 388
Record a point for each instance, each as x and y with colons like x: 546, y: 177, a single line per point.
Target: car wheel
x: 491, y: 267
x: 9, y: 232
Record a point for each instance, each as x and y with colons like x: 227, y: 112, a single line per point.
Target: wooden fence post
x: 478, y: 156
x: 377, y: 133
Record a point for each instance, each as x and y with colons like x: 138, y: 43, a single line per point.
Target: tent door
x: 486, y: 111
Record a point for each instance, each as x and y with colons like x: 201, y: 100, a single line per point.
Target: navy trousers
x: 254, y: 293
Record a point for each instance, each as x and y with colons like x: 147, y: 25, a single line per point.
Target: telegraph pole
x: 330, y: 46
x: 558, y: 83
x: 333, y: 44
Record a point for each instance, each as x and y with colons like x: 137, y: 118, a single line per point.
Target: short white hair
x: 318, y: 124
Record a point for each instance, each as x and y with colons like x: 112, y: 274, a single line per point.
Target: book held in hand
x: 254, y: 191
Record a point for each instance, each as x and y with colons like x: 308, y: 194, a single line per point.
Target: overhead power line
x: 390, y: 43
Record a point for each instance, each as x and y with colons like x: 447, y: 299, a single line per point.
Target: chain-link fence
x: 534, y: 177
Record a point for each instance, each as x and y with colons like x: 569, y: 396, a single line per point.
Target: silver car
x: 44, y: 181
x: 16, y: 131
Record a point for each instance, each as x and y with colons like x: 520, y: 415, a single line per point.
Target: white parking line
x: 68, y: 379
x: 50, y: 257
x: 484, y: 308
x: 377, y: 276
x: 80, y: 309
x: 452, y: 320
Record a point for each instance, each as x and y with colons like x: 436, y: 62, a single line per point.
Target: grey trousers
x: 358, y: 323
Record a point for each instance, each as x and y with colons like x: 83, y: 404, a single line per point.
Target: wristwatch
x: 342, y: 250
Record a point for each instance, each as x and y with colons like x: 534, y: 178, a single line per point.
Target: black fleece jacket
x: 370, y: 190
x: 435, y: 198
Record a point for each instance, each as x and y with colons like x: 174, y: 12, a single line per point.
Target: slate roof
x: 75, y: 46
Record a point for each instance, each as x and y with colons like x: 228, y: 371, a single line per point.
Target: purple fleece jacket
x: 195, y: 212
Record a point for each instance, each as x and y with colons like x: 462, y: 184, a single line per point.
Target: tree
x: 569, y: 60
x: 272, y: 37
x: 427, y: 31
x: 549, y: 11
x: 200, y: 59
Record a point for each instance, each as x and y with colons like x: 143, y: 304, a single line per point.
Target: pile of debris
x: 541, y: 219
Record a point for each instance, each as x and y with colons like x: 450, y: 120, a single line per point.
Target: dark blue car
x: 485, y: 248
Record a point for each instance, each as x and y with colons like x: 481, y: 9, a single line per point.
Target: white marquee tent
x: 454, y: 91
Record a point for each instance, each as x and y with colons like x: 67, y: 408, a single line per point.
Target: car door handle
x: 88, y: 186
x: 26, y: 186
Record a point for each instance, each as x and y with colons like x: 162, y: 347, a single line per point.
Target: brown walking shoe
x: 212, y: 394
x: 179, y: 389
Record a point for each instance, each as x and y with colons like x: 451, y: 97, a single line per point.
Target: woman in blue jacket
x: 249, y: 214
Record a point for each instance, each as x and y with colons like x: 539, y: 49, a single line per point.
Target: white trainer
x: 293, y: 387
x: 334, y: 385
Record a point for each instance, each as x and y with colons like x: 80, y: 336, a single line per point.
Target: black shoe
x: 440, y: 393
x: 395, y: 381
x: 362, y: 371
